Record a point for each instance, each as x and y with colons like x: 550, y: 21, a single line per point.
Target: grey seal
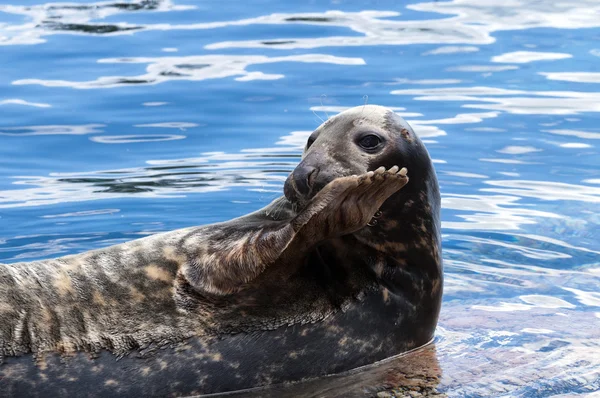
x: 343, y: 270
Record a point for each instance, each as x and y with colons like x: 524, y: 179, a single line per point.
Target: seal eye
x: 310, y: 142
x: 369, y: 142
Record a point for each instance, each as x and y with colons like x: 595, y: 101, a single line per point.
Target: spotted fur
x: 301, y: 288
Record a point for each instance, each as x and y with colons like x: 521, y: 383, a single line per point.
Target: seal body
x: 342, y: 271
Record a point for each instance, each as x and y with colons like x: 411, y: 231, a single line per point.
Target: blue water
x: 119, y: 120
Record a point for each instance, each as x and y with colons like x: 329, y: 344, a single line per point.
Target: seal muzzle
x: 300, y: 183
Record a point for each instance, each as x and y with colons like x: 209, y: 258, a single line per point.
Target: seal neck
x: 404, y: 247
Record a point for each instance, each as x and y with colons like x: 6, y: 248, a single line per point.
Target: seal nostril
x: 303, y: 178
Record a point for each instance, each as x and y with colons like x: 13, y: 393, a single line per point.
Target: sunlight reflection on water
x: 504, y: 94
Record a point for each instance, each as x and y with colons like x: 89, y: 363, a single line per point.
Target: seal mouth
x: 299, y: 201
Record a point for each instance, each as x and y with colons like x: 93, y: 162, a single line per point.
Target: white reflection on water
x: 523, y: 57
x: 132, y: 138
x: 518, y: 14
x: 23, y: 102
x: 432, y: 82
x: 586, y: 298
x: 86, y: 213
x: 505, y: 161
x: 512, y: 101
x: 575, y: 133
x: 542, y: 301
x: 518, y: 150
x: 156, y: 103
x: 52, y: 18
x: 481, y: 68
x: 452, y: 50
x: 545, y: 190
x: 52, y: 130
x: 169, y: 125
x: 472, y: 22
x: 195, y: 68
x: 574, y: 145
x: 577, y: 77
x: 464, y: 175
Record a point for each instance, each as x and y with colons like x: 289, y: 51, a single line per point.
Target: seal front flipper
x: 347, y: 204
x: 343, y: 206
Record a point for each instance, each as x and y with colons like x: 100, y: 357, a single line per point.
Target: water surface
x: 121, y: 119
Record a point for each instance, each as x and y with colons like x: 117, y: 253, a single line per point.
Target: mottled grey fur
x: 246, y: 274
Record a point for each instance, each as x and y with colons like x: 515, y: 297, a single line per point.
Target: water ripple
x: 504, y: 94
x: 52, y: 130
x: 193, y: 68
x: 501, y: 99
x: 53, y: 18
x: 577, y: 77
x: 545, y: 190
x: 523, y: 57
x: 132, y: 138
x: 25, y: 103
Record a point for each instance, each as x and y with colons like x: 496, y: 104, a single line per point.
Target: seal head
x: 357, y: 140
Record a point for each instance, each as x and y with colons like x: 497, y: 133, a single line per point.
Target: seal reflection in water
x: 342, y: 271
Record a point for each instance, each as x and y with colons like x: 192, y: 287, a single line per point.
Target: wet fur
x: 261, y: 275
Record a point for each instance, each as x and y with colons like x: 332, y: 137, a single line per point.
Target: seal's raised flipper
x: 347, y: 204
x: 343, y: 206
